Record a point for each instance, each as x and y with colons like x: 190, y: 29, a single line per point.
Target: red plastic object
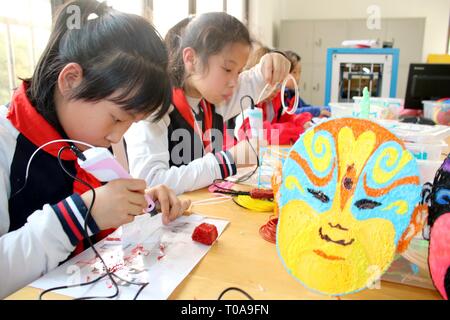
x: 205, y: 233
x: 261, y: 194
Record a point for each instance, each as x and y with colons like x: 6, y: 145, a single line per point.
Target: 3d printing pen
x: 103, y: 165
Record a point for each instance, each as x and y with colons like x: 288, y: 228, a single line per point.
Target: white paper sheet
x: 143, y: 251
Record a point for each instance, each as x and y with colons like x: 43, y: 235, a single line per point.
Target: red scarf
x: 180, y: 102
x: 25, y: 118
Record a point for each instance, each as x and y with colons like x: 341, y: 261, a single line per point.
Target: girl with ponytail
x: 185, y: 149
x: 101, y: 71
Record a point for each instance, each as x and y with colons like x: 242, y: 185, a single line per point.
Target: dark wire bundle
x: 234, y: 289
x: 263, y: 194
x: 110, y: 274
x: 247, y: 176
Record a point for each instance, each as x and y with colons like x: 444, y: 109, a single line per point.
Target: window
x: 128, y: 6
x: 209, y: 6
x: 25, y: 28
x: 167, y: 13
x: 236, y: 8
x: 24, y: 32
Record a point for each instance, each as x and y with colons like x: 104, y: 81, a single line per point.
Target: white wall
x: 265, y: 16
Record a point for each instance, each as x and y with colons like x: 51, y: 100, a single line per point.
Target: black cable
x: 251, y: 174
x: 71, y: 286
x: 140, y: 290
x: 227, y: 190
x: 88, y: 216
x: 235, y: 289
x: 86, y: 235
x: 20, y: 190
x: 78, y: 153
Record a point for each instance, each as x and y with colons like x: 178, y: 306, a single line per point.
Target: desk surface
x: 241, y: 258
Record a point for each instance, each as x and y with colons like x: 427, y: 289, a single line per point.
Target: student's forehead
x: 234, y: 53
x: 120, y: 110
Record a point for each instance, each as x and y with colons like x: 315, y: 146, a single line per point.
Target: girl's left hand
x: 275, y: 67
x: 171, y: 207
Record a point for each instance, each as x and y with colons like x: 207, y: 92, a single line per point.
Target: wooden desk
x: 241, y: 258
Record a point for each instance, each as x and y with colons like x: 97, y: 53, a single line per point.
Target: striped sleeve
x: 226, y: 164
x: 72, y: 212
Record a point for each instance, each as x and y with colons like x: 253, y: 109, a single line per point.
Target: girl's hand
x: 243, y: 152
x: 275, y: 67
x: 117, y: 202
x: 325, y: 113
x: 170, y: 206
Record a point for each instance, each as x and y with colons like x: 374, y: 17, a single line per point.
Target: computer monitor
x: 427, y: 82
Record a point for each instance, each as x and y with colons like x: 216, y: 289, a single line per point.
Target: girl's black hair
x: 293, y: 57
x: 118, y: 52
x: 207, y: 34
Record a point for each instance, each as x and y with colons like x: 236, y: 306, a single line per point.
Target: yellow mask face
x: 348, y: 191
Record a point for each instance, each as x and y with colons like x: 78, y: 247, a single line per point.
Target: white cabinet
x: 318, y: 85
x: 306, y: 81
x: 297, y: 35
x: 327, y: 34
x: 408, y: 36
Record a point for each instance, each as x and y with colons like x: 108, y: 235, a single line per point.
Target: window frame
x: 147, y: 12
x: 9, y: 22
x: 148, y: 8
x: 192, y: 9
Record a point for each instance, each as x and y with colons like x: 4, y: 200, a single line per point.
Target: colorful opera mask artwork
x: 348, y: 193
x: 439, y: 220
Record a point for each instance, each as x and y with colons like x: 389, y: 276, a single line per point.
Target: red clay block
x: 205, y: 233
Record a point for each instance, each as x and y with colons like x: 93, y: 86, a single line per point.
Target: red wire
x: 269, y: 231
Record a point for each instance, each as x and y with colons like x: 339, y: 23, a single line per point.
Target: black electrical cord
x: 88, y: 216
x: 249, y: 175
x: 86, y: 235
x: 227, y: 190
x: 235, y: 289
x: 246, y: 177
